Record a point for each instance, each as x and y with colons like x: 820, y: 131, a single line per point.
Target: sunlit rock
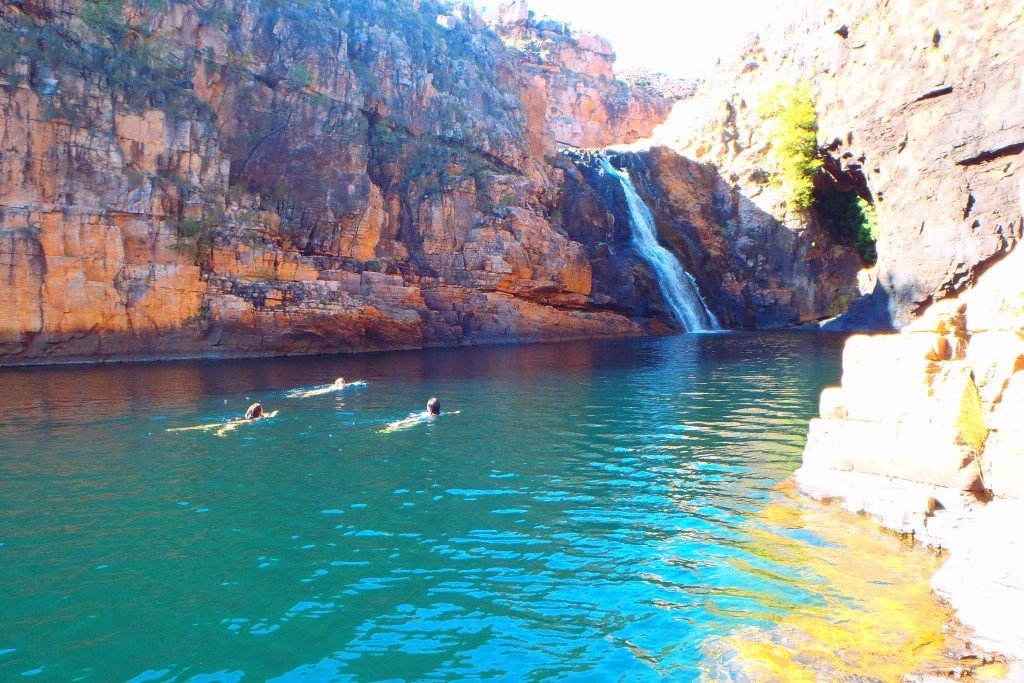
x: 928, y: 441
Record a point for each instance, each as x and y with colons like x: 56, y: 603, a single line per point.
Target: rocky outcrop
x: 754, y: 270
x: 569, y: 86
x: 249, y: 178
x: 924, y: 434
x: 918, y: 110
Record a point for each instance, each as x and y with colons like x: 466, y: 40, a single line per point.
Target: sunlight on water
x: 578, y: 512
x: 874, y: 617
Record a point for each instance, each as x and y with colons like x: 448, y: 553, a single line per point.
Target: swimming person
x: 338, y: 385
x: 433, y: 410
x: 252, y: 414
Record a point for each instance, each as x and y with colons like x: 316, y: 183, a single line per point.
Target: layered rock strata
x: 248, y: 178
x: 924, y: 433
x: 572, y: 94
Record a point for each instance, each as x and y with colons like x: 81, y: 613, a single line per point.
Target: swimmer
x: 253, y: 413
x: 433, y: 410
x: 433, y: 407
x: 338, y: 385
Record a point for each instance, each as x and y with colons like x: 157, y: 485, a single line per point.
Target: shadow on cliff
x: 753, y: 271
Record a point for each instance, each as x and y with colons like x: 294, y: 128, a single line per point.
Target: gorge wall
x: 923, y: 434
x: 257, y: 178
x: 264, y: 177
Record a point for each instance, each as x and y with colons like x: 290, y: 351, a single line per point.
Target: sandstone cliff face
x: 257, y: 178
x: 924, y: 434
x: 570, y: 82
x: 919, y: 109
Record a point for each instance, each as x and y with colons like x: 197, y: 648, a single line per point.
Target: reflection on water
x: 873, y: 614
x: 597, y: 511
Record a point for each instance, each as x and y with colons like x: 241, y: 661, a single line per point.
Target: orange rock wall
x: 232, y: 179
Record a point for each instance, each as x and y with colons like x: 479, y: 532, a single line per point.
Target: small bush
x: 793, y: 129
x: 851, y: 220
x: 300, y: 75
x: 867, y: 232
x: 195, y: 237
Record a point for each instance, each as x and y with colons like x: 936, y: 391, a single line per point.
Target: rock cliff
x: 752, y: 270
x: 569, y: 85
x: 919, y: 112
x: 262, y: 177
x: 924, y: 434
x: 256, y: 178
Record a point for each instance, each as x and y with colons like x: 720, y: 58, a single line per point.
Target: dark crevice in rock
x: 993, y: 154
x: 931, y: 95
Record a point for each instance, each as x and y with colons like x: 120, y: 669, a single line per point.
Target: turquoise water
x: 584, y: 516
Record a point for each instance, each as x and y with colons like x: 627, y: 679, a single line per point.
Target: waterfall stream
x: 677, y: 286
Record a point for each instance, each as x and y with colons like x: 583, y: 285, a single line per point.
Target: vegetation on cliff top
x: 133, y: 62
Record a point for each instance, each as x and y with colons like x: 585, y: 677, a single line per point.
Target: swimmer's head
x: 340, y: 382
x: 254, y: 411
x: 434, y: 406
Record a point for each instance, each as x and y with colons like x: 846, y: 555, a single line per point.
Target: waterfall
x: 677, y: 286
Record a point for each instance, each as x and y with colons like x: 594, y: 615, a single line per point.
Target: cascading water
x: 677, y: 286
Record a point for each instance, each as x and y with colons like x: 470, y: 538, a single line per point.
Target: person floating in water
x: 433, y: 410
x: 338, y: 385
x: 253, y: 413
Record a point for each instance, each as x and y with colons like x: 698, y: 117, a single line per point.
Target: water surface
x: 594, y: 511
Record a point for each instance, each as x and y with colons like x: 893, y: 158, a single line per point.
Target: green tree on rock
x: 792, y: 124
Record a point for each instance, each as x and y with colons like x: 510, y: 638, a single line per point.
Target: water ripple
x: 591, y: 514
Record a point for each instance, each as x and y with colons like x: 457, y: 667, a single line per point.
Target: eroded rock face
x: 752, y: 270
x: 924, y: 434
x: 918, y: 103
x: 569, y: 87
x: 247, y: 178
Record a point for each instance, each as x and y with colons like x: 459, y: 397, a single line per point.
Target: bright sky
x: 678, y: 37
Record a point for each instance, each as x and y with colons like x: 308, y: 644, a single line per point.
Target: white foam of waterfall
x: 677, y: 286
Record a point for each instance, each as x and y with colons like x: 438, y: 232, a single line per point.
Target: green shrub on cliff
x: 867, y: 231
x: 106, y: 19
x: 300, y: 75
x: 849, y: 219
x: 793, y: 130
x: 195, y: 236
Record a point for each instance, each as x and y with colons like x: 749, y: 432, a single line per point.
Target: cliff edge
x: 918, y: 112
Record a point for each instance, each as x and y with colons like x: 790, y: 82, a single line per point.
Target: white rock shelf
x: 926, y: 434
